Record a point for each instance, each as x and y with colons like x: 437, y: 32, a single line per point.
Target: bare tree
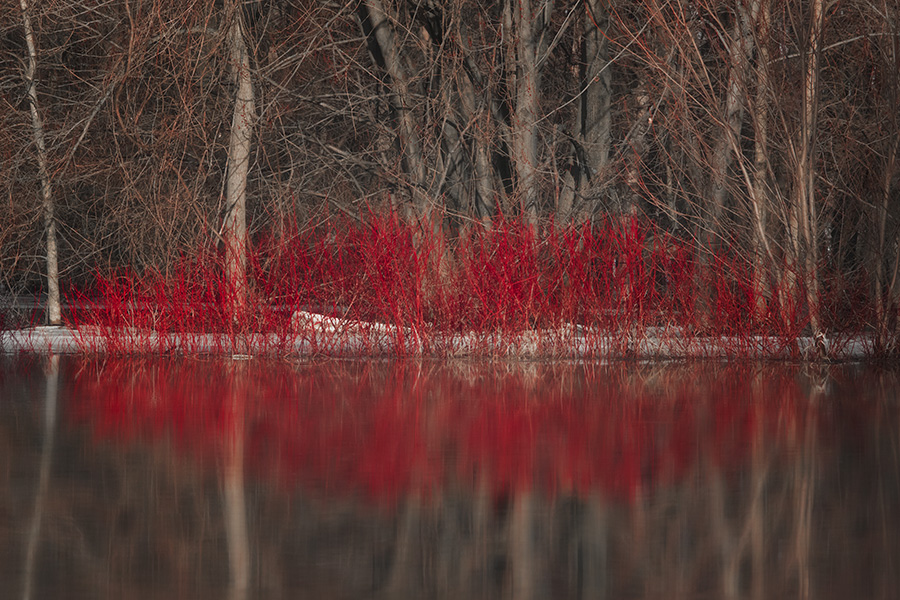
x: 805, y: 198
x: 591, y: 130
x: 739, y: 48
x: 760, y: 14
x: 54, y: 313
x: 478, y: 111
x: 523, y: 27
x: 376, y: 23
x: 885, y: 292
x: 595, y: 119
x: 242, y: 123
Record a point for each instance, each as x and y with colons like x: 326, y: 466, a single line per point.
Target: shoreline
x: 362, y: 339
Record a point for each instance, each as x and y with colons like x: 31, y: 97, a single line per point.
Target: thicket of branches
x: 768, y: 128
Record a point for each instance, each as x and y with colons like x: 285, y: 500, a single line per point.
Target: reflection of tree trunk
x: 733, y: 542
x: 595, y: 542
x: 753, y: 531
x: 804, y: 491
x: 34, y: 531
x: 522, y: 552
x: 476, y: 562
x: 233, y: 482
x: 723, y: 534
x: 639, y: 532
x: 243, y: 119
x: 400, y: 582
x: 54, y: 313
x: 756, y: 518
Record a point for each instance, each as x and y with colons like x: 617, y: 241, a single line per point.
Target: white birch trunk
x: 238, y: 168
x: 54, y: 312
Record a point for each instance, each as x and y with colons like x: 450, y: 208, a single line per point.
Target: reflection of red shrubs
x: 385, y: 430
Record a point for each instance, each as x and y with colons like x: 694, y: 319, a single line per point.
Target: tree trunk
x: 636, y: 146
x: 891, y: 292
x: 882, y: 293
x: 739, y: 49
x: 54, y: 312
x: 492, y: 130
x: 523, y: 43
x: 243, y: 120
x: 760, y: 12
x: 805, y: 193
x: 595, y: 118
x: 402, y: 102
x: 884, y: 296
x: 484, y: 189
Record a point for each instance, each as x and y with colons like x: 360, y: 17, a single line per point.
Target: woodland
x: 739, y: 156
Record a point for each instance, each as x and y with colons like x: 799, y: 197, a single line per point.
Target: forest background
x: 756, y: 133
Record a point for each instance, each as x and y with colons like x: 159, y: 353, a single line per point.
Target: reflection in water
x: 233, y: 435
x: 51, y: 397
x: 189, y: 478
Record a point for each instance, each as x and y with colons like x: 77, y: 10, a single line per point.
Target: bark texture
x: 54, y: 310
x: 239, y: 152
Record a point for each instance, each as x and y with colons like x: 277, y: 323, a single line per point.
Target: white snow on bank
x: 316, y: 334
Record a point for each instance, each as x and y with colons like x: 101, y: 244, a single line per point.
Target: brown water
x: 368, y: 479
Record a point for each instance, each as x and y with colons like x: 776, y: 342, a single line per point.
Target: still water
x: 126, y: 478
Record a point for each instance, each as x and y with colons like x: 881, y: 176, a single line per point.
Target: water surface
x: 175, y: 478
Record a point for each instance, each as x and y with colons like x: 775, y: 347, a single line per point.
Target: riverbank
x: 329, y: 336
